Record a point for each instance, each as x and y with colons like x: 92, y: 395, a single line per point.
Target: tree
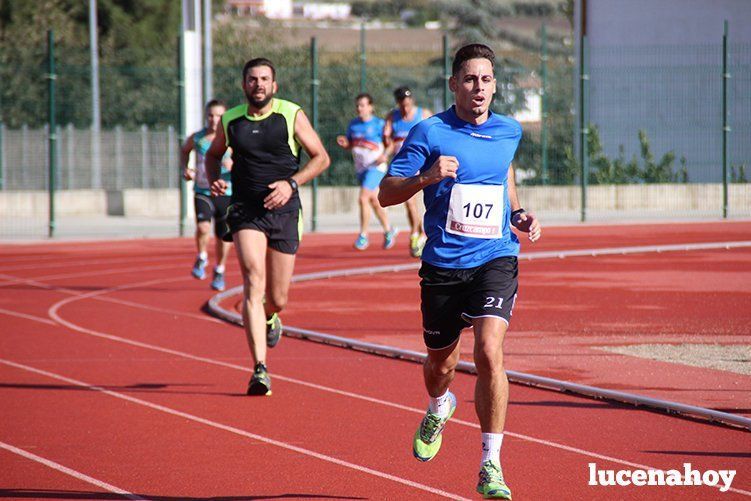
x: 603, y: 170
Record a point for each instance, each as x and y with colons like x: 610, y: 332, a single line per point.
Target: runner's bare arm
x: 213, y: 163
x: 395, y: 190
x: 522, y: 221
x: 281, y: 191
x: 185, y: 150
x: 342, y: 141
x: 227, y: 159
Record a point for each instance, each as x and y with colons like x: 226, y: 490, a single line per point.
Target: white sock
x: 440, y: 405
x: 491, y: 447
x: 219, y: 268
x: 204, y: 256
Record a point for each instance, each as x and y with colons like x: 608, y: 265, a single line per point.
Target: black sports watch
x: 292, y: 183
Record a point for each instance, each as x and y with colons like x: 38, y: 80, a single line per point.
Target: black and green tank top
x: 264, y: 150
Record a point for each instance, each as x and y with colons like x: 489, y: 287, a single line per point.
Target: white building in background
x: 310, y: 10
x: 285, y: 9
x: 273, y: 9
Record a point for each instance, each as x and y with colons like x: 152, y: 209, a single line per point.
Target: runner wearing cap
x: 398, y: 124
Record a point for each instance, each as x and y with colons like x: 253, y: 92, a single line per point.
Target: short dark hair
x: 215, y: 102
x: 364, y: 95
x: 402, y: 92
x: 259, y: 61
x: 472, y: 51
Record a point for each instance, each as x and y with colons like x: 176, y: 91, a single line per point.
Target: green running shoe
x: 273, y: 330
x: 428, y: 438
x: 491, y: 484
x: 260, y: 381
x: 416, y: 244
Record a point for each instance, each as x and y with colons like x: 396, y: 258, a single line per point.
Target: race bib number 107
x: 476, y: 211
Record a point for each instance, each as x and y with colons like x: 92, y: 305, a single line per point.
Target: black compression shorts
x: 451, y: 298
x: 283, y: 228
x: 208, y: 208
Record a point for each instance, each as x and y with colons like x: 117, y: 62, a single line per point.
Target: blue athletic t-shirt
x: 467, y: 220
x: 366, y: 139
x: 400, y: 126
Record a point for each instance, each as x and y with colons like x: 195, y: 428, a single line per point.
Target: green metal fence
x: 652, y: 123
x: 675, y: 118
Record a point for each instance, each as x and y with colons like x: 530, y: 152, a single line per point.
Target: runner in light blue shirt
x: 461, y: 160
x: 365, y: 139
x: 398, y: 124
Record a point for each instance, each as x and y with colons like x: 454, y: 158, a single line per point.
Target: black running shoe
x: 273, y: 330
x: 260, y: 381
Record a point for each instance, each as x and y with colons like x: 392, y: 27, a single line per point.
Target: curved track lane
x: 134, y: 387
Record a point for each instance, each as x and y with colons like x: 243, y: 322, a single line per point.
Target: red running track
x: 571, y: 311
x: 113, y: 375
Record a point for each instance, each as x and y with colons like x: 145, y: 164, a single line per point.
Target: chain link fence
x: 649, y: 108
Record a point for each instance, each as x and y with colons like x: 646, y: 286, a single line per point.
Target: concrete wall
x: 667, y: 199
x: 670, y: 198
x: 67, y: 203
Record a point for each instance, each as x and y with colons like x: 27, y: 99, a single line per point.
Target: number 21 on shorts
x: 497, y: 302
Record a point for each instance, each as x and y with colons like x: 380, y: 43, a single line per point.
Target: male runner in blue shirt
x: 461, y: 160
x: 365, y: 139
x: 398, y: 124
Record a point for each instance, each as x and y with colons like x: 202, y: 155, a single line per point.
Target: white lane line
x: 53, y: 312
x: 69, y: 471
x: 88, y: 262
x: 27, y: 316
x: 92, y: 295
x: 236, y: 431
x: 196, y: 316
x: 97, y: 273
x: 206, y: 318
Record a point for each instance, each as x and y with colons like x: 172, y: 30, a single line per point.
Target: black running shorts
x: 451, y: 298
x: 283, y: 229
x: 208, y: 208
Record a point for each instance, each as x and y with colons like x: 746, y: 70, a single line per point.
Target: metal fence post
x: 2, y: 155
x: 208, y: 54
x: 52, y: 149
x: 363, y: 59
x: 171, y: 156
x: 583, y: 123
x: 2, y: 151
x: 25, y: 162
x: 96, y: 114
x: 119, y: 163
x: 544, y: 104
x: 446, y: 73
x: 725, y: 126
x: 181, y: 134
x: 59, y: 156
x: 144, y: 156
x: 70, y: 153
x: 314, y: 83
